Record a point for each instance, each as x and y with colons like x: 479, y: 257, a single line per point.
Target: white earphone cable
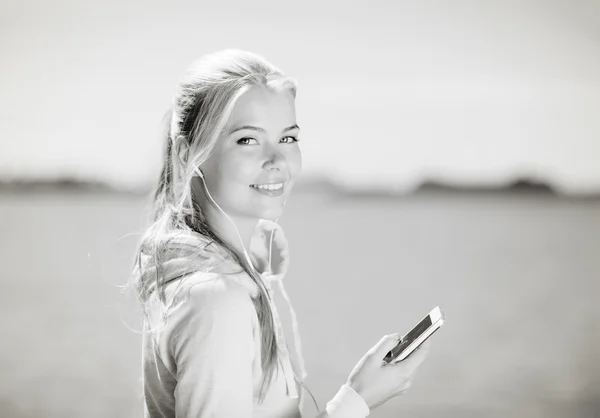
x: 293, y: 314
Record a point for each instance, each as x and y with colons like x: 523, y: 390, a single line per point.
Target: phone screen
x: 409, y: 338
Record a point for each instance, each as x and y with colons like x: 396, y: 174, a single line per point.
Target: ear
x: 181, y: 148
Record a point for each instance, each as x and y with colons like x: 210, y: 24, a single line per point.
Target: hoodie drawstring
x: 290, y: 376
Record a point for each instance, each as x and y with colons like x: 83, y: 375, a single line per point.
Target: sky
x: 390, y: 93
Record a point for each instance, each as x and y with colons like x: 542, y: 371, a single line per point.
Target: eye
x: 245, y: 139
x: 293, y: 139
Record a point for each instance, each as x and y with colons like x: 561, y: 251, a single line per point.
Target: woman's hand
x: 259, y: 248
x: 377, y: 381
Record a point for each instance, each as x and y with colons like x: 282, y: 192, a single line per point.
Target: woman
x: 213, y: 345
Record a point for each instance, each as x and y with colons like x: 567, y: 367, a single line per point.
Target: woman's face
x: 257, y: 147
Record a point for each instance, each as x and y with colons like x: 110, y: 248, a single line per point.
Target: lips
x: 268, y: 183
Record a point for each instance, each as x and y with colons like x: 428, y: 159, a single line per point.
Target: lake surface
x: 517, y: 275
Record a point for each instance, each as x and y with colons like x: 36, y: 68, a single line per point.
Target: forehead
x: 264, y: 107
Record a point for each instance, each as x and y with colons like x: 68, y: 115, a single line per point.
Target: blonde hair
x: 201, y: 108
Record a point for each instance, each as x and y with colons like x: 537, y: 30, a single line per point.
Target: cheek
x: 295, y: 162
x: 234, y: 167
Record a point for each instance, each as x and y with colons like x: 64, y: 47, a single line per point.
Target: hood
x: 187, y: 252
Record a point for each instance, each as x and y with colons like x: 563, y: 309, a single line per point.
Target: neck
x: 227, y: 231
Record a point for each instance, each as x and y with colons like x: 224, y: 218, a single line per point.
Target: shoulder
x: 209, y: 309
x: 209, y: 293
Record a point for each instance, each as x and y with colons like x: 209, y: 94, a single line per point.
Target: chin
x: 271, y: 215
x: 267, y: 208
x: 270, y: 212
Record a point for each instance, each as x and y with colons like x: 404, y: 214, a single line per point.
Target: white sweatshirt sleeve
x: 211, y: 340
x: 347, y: 404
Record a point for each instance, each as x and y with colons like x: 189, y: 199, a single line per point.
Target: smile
x: 276, y: 186
x: 272, y: 190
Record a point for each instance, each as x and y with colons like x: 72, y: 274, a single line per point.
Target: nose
x: 275, y: 159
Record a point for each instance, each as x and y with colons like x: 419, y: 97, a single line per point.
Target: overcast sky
x: 469, y: 91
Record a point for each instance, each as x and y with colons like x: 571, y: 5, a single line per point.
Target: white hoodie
x: 204, y: 358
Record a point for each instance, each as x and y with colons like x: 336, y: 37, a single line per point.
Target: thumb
x: 385, y: 345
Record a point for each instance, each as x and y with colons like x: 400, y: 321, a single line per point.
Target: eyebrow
x: 256, y: 128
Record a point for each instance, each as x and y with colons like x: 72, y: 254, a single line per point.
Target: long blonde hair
x: 201, y: 108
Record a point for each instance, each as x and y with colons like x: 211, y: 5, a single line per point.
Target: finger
x: 416, y: 357
x: 384, y: 346
x: 407, y: 386
x: 405, y: 389
x: 425, y: 345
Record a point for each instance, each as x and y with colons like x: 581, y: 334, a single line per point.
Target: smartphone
x: 416, y: 336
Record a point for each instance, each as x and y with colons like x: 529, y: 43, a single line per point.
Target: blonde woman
x: 213, y: 344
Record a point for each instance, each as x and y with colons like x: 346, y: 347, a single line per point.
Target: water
x: 516, y: 273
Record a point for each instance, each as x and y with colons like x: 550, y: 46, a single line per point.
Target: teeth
x: 267, y: 186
